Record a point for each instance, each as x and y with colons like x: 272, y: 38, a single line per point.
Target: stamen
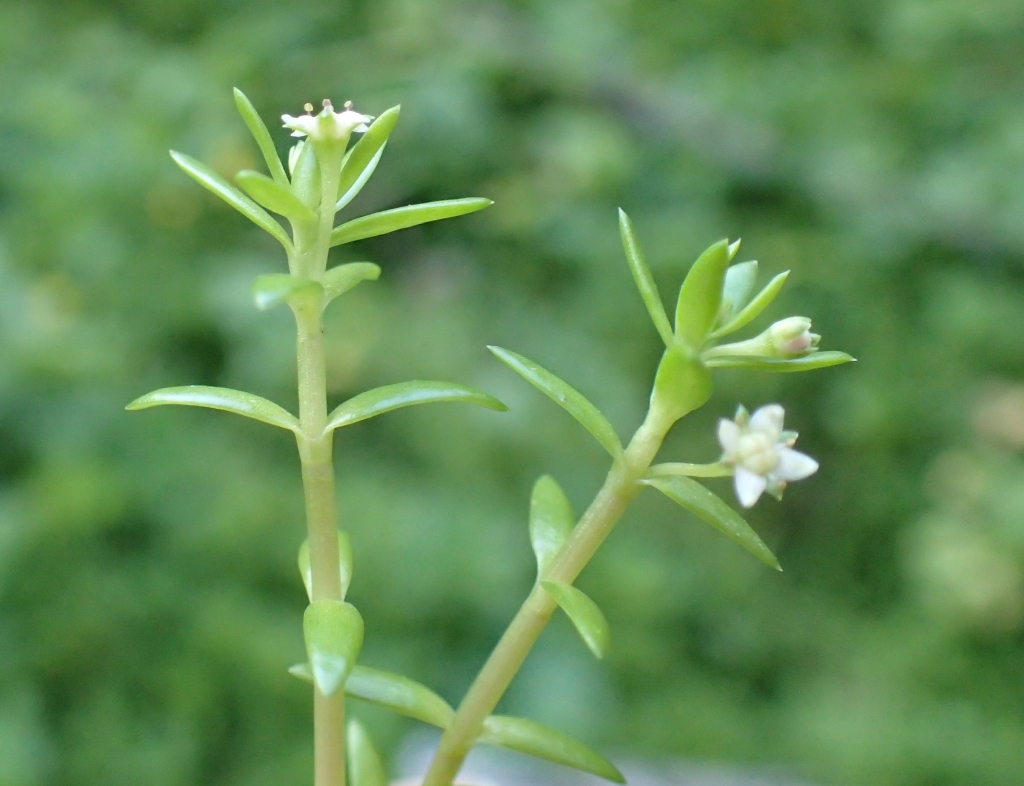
x: 308, y: 107
x: 348, y: 105
x: 328, y: 104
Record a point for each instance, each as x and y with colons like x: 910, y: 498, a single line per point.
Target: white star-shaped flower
x: 761, y: 453
x: 328, y: 126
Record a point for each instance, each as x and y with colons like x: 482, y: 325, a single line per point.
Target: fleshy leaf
x: 680, y: 386
x: 344, y: 564
x: 532, y: 738
x: 364, y: 765
x: 275, y: 288
x: 362, y: 159
x: 737, y: 289
x: 567, y: 397
x: 806, y: 363
x: 404, y: 394
x: 333, y: 631
x: 753, y: 309
x: 306, y: 176
x: 262, y: 136
x: 274, y: 196
x: 551, y: 520
x: 393, y: 691
x: 214, y: 183
x: 403, y: 218
x: 701, y: 295
x: 226, y: 399
x: 584, y: 613
x: 643, y: 278
x: 708, y: 506
x: 399, y: 694
x: 339, y: 280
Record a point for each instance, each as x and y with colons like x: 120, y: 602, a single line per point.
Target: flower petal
x: 768, y: 420
x: 306, y: 124
x: 794, y: 465
x: 749, y: 486
x: 728, y: 435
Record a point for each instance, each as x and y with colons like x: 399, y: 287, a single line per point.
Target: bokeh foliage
x: 149, y: 602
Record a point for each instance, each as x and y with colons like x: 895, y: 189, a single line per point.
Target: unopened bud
x: 792, y: 337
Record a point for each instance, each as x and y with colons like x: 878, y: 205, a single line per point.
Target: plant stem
x: 505, y: 661
x: 315, y: 451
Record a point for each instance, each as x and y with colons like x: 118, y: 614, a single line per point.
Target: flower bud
x: 792, y: 337
x: 787, y: 338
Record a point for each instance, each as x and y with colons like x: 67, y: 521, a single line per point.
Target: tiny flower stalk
x: 324, y: 174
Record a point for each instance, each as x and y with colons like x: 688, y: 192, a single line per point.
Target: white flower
x: 761, y: 453
x: 328, y: 126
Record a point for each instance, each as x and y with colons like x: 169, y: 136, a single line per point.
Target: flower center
x: 756, y: 452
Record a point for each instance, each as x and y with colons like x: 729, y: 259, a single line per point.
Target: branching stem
x: 505, y: 661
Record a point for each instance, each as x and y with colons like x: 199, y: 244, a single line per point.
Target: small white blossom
x: 761, y: 453
x: 328, y: 126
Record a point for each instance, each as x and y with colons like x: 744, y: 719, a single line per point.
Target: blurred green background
x: 149, y: 603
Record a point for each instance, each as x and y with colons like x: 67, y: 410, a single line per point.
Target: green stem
x: 315, y: 451
x: 505, y: 661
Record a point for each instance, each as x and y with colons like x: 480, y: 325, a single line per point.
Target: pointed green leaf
x: 333, y: 631
x: 261, y: 135
x: 643, y: 278
x: 571, y: 400
x: 708, y: 506
x: 701, y: 295
x: 809, y: 362
x: 393, y: 691
x: 551, y: 520
x: 738, y: 287
x: 364, y: 765
x: 339, y: 280
x: 306, y: 175
x: 403, y: 218
x: 753, y: 309
x: 716, y: 470
x: 219, y: 398
x: 525, y: 736
x: 275, y: 288
x: 680, y: 386
x: 404, y: 394
x: 274, y: 196
x: 362, y: 159
x: 584, y: 613
x: 399, y: 694
x: 344, y: 564
x: 734, y: 246
x: 214, y: 183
